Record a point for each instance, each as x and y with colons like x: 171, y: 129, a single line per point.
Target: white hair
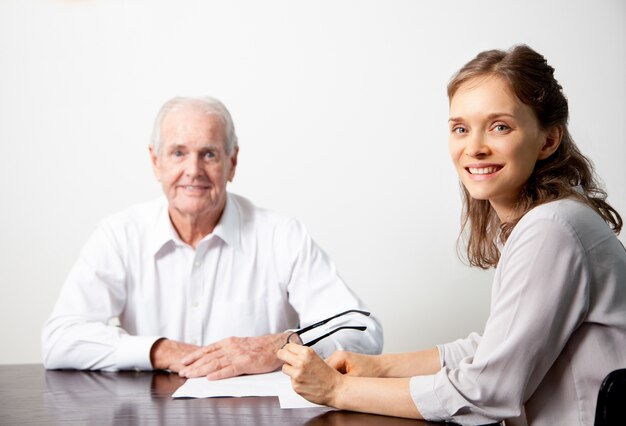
x: 210, y: 106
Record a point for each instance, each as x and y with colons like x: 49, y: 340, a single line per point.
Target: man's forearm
x: 93, y: 346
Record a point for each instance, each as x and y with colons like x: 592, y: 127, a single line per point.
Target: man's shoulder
x: 251, y: 213
x: 260, y: 223
x: 136, y: 216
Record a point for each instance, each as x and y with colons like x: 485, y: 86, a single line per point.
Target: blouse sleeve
x: 540, y: 297
x: 451, y: 354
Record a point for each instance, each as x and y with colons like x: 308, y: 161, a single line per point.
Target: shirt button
x: 194, y: 342
x: 196, y: 264
x: 195, y: 304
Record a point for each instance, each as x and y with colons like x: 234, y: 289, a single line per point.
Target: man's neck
x: 192, y: 229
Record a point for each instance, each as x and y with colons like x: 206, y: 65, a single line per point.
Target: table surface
x: 31, y: 395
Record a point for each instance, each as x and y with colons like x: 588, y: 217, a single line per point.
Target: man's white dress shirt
x: 257, y: 273
x: 557, y: 327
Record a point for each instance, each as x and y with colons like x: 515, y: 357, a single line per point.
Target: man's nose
x: 193, y: 166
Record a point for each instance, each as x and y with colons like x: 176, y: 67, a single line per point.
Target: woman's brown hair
x: 531, y: 79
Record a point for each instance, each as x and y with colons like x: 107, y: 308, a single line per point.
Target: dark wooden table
x: 30, y: 395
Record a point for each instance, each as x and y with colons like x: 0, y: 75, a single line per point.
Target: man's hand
x: 235, y: 356
x: 167, y: 354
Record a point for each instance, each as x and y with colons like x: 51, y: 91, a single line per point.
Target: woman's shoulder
x: 568, y: 210
x: 570, y: 216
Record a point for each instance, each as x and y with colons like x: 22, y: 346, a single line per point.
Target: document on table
x: 269, y: 384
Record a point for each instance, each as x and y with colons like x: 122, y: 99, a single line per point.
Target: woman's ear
x: 552, y: 141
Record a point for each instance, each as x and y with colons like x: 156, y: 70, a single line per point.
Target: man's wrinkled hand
x: 234, y: 356
x: 166, y: 354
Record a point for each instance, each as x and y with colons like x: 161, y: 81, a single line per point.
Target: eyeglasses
x: 333, y: 331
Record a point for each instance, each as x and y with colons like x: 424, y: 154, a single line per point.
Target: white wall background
x: 341, y: 112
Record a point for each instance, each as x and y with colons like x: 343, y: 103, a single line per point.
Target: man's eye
x: 178, y: 153
x: 209, y: 155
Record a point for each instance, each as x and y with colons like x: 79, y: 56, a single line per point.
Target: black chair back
x: 611, y: 408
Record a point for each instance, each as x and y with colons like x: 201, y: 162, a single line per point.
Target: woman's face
x: 495, y: 141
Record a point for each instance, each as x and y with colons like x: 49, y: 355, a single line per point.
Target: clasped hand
x: 319, y: 381
x: 229, y: 357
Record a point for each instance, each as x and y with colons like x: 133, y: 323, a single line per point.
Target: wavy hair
x: 531, y: 79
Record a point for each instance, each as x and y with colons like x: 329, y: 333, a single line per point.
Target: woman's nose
x: 476, y: 146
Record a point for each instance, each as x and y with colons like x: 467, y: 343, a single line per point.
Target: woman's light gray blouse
x: 557, y: 327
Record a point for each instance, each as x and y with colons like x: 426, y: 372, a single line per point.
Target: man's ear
x: 233, y: 164
x: 154, y: 160
x: 552, y: 141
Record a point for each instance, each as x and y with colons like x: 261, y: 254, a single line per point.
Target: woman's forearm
x: 410, y: 364
x: 386, y: 396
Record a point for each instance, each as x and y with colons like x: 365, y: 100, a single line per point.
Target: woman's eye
x: 501, y: 127
x: 460, y: 130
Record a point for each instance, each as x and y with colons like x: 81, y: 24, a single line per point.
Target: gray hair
x: 210, y: 106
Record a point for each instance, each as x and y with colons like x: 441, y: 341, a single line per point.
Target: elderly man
x: 169, y: 284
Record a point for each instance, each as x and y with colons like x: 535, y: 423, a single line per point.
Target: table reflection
x: 348, y: 418
x: 138, y: 398
x: 145, y: 398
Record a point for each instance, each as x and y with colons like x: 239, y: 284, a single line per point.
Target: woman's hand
x: 310, y: 376
x: 353, y: 364
x: 320, y: 383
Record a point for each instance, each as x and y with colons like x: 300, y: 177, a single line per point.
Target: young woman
x: 534, y: 211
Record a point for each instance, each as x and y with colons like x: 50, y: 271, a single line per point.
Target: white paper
x: 269, y: 384
x: 251, y: 385
x: 291, y: 399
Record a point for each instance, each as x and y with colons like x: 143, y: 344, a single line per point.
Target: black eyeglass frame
x: 333, y: 331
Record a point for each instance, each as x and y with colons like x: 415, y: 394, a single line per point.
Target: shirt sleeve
x: 451, y: 354
x: 78, y: 334
x: 316, y: 291
x: 540, y: 297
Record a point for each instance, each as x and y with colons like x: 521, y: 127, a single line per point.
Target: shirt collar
x: 164, y: 233
x: 228, y: 227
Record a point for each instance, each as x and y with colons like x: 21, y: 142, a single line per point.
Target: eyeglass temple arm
x: 324, y: 321
x: 351, y: 327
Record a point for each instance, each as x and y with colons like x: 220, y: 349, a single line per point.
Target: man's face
x: 192, y: 164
